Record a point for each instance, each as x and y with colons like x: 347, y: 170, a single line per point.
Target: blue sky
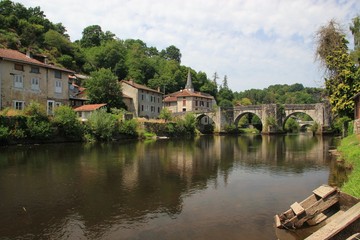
x: 256, y: 43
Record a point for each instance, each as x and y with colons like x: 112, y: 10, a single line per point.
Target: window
x: 50, y: 107
x: 142, y: 107
x: 57, y: 74
x: 18, y: 81
x: 35, y: 84
x: 158, y: 109
x: 57, y: 104
x: 184, y: 102
x: 58, y: 86
x: 35, y: 70
x: 196, y: 103
x: 207, y: 104
x: 19, y: 67
x: 19, y: 105
x: 142, y: 97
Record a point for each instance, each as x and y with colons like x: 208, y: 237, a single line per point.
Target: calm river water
x: 212, y: 187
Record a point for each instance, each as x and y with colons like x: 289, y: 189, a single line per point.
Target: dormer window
x: 19, y: 67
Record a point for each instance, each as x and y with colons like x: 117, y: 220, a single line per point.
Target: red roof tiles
x: 89, y: 107
x: 16, y: 56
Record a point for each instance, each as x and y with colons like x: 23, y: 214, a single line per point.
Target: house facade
x: 188, y: 100
x: 24, y: 79
x: 77, y: 93
x: 141, y: 100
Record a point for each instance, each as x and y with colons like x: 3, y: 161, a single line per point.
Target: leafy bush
x: 128, y: 127
x: 183, y: 126
x: 101, y: 125
x: 39, y: 129
x: 165, y: 114
x: 4, y: 133
x: 66, y: 120
x: 292, y: 125
x: 230, y: 128
x: 36, y: 110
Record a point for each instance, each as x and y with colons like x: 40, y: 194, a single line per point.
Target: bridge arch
x: 302, y: 124
x: 205, y: 123
x: 241, y: 115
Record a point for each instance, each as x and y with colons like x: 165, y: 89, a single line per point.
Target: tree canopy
x: 342, y: 78
x: 103, y: 87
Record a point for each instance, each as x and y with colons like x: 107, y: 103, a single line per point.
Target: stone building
x: 188, y: 100
x: 24, y: 79
x: 141, y: 100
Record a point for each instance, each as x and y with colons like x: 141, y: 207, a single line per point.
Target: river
x: 211, y: 187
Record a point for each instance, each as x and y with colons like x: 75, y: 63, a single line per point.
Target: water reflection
x: 211, y: 187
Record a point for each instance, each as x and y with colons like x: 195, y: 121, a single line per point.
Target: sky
x: 255, y: 43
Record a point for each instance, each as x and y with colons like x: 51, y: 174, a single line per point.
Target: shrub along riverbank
x: 32, y: 125
x: 350, y: 152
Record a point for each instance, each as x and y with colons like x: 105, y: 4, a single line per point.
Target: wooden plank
x: 317, y: 219
x: 277, y: 221
x: 355, y: 236
x: 324, y: 191
x: 337, y: 224
x: 297, y: 208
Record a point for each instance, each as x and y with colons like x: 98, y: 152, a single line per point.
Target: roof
x: 16, y: 56
x: 170, y: 99
x: 139, y: 86
x: 187, y: 93
x: 89, y: 107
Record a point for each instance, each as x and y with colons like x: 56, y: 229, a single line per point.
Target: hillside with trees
x: 28, y: 29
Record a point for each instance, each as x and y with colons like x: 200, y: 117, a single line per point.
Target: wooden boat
x: 326, y: 206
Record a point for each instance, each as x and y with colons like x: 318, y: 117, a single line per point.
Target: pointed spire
x: 189, y: 86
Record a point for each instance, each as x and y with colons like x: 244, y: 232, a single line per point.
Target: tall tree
x: 91, y: 36
x: 103, y: 87
x: 171, y: 53
x: 341, y: 75
x: 355, y: 30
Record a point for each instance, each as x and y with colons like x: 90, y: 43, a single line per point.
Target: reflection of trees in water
x: 121, y: 184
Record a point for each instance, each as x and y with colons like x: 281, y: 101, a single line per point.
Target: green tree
x: 103, y: 87
x: 342, y: 76
x: 171, y: 53
x: 355, y: 30
x: 165, y: 114
x: 91, y: 36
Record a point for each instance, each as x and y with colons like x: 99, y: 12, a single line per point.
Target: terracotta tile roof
x: 170, y: 99
x: 89, y: 107
x: 16, y: 56
x: 139, y: 86
x: 187, y: 93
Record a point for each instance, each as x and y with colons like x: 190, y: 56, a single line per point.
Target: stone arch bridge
x: 319, y: 112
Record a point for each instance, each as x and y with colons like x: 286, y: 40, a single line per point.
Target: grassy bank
x: 350, y: 151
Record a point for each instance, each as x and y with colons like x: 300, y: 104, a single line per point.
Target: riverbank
x: 350, y: 152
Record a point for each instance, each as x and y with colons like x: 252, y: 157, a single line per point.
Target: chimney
x: 28, y: 53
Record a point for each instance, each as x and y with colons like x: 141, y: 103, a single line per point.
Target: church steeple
x: 189, y: 86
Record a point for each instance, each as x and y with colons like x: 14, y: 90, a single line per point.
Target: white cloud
x: 255, y: 43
